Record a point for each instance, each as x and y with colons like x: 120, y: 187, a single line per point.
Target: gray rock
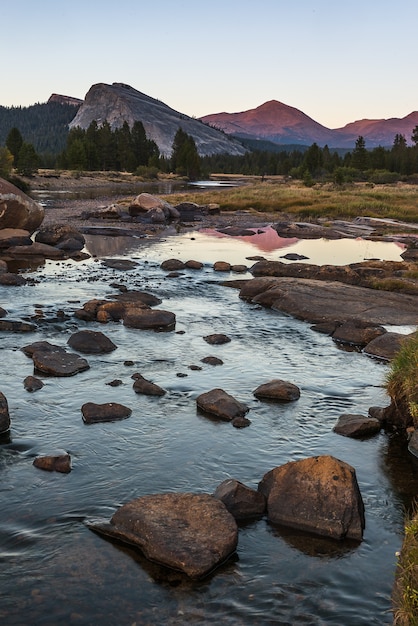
x: 279, y: 390
x: 91, y: 342
x: 63, y: 236
x: 318, y: 495
x: 108, y: 412
x: 4, y: 414
x: 192, y: 533
x: 17, y: 210
x: 219, y: 403
x: 241, y: 501
x: 357, y: 426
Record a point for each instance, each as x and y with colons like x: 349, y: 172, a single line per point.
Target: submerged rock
x: 59, y: 461
x: 318, y: 495
x: 142, y: 385
x: 357, y: 426
x: 217, y: 339
x: 31, y: 383
x: 212, y: 360
x: 192, y: 533
x: 219, y: 403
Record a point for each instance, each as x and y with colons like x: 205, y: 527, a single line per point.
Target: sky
x: 336, y: 61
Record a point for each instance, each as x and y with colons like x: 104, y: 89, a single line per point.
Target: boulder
x: 14, y: 237
x: 17, y: 326
x: 91, y: 342
x: 357, y: 333
x: 170, y: 265
x: 17, y: 210
x: 385, y: 346
x: 108, y: 412
x: 59, y: 461
x: 192, y: 533
x: 217, y: 339
x: 219, y: 403
x: 241, y: 501
x: 212, y: 360
x: 155, y: 209
x: 279, y: 390
x: 55, y: 360
x: 146, y: 387
x: 357, y: 426
x: 63, y: 236
x: 150, y: 319
x: 4, y: 414
x: 31, y: 383
x: 193, y: 265
x: 318, y: 495
x: 222, y: 266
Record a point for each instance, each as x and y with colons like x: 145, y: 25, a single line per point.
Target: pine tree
x: 14, y: 142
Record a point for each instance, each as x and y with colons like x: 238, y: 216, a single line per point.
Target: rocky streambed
x: 56, y: 569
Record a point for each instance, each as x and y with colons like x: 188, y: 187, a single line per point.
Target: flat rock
x: 17, y: 326
x: 357, y: 333
x: 14, y: 237
x: 91, y: 342
x: 385, y: 346
x: 146, y: 387
x: 219, y: 403
x: 357, y: 426
x: 4, y: 414
x: 318, y: 495
x: 192, y: 533
x: 150, y: 319
x: 63, y: 236
x: 37, y: 249
x: 108, y: 412
x: 59, y: 461
x: 55, y: 360
x: 279, y: 390
x: 319, y: 301
x: 10, y: 279
x: 241, y: 501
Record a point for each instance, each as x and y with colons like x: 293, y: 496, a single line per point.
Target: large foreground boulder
x: 17, y: 210
x: 319, y: 495
x: 193, y: 533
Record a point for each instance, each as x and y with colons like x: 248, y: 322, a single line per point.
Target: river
x: 53, y: 569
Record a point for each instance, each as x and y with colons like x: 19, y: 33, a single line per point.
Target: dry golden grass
x: 327, y: 201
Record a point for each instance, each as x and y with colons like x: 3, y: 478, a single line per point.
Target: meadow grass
x: 327, y: 201
x: 405, y: 597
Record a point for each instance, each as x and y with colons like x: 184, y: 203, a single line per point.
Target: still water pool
x: 53, y: 569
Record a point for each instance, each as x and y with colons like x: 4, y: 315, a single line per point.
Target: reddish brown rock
x: 318, y: 495
x: 148, y: 388
x: 217, y: 339
x: 212, y: 360
x: 219, y: 403
x: 55, y: 360
x: 59, y: 461
x: 222, y: 266
x: 91, y: 342
x: 357, y: 426
x: 171, y: 265
x: 108, y: 412
x: 17, y: 210
x: 241, y: 501
x: 31, y: 383
x: 14, y: 237
x: 279, y: 390
x: 151, y: 319
x: 192, y: 533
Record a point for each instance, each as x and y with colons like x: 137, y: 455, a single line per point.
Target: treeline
x: 45, y: 126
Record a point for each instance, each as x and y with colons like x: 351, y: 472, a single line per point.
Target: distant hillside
x: 44, y: 125
x: 281, y: 124
x: 118, y: 102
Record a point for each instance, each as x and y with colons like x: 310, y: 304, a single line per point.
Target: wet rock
x: 17, y: 210
x: 293, y: 256
x: 108, y: 412
x: 3, y: 312
x: 385, y: 346
x: 357, y: 426
x: 212, y: 360
x: 236, y: 231
x: 37, y: 249
x: 150, y: 319
x: 378, y: 412
x: 60, y: 461
x: 120, y: 264
x: 17, y: 326
x: 192, y: 533
x: 55, y: 360
x: 4, y: 414
x: 240, y: 422
x: 326, y: 328
x: 279, y: 390
x: 217, y: 339
x: 114, y: 310
x: 410, y: 254
x: 115, y: 383
x: 357, y: 333
x: 146, y: 387
x: 141, y: 297
x: 318, y: 495
x: 7, y: 278
x: 14, y: 237
x: 239, y: 269
x: 219, y: 403
x: 32, y: 383
x: 63, y: 236
x: 305, y: 230
x: 193, y: 265
x: 222, y: 266
x: 241, y: 501
x: 153, y: 208
x: 91, y: 342
x: 171, y: 265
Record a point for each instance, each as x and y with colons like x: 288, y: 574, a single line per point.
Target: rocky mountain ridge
x: 119, y: 102
x: 282, y: 124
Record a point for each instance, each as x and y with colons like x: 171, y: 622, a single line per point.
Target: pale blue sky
x: 336, y: 61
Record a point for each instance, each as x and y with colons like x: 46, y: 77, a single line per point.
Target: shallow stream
x: 53, y: 569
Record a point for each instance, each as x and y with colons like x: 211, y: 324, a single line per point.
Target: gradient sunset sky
x: 336, y: 61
